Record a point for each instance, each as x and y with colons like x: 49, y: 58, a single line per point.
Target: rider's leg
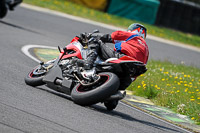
x: 106, y: 52
x: 93, y: 53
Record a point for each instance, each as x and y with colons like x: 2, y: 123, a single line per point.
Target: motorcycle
x: 85, y: 87
x: 6, y: 5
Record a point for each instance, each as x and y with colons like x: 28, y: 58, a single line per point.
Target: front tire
x: 106, y: 86
x: 35, y: 77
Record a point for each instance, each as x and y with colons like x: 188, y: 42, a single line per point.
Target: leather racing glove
x: 106, y: 38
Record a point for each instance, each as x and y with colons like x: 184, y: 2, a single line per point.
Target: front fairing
x: 75, y: 49
x: 83, y: 51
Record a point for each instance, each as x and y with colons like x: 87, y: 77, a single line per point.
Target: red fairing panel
x: 72, y: 47
x: 75, y: 39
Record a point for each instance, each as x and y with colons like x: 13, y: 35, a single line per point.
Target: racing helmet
x: 138, y: 29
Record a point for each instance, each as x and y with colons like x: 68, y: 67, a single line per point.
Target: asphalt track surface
x: 27, y: 109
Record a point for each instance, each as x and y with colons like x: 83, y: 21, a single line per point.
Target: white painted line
x: 25, y: 50
x: 83, y: 20
x: 155, y: 117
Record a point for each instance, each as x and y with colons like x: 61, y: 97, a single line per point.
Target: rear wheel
x: 88, y: 95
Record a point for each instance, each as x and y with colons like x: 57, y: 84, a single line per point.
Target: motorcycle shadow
x: 44, y: 88
x: 127, y: 117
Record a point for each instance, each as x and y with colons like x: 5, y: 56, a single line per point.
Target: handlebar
x: 87, y: 38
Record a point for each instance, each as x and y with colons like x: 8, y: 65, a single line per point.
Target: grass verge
x: 173, y: 86
x: 79, y: 10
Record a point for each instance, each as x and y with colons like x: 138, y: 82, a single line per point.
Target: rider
x: 127, y: 43
x: 130, y: 43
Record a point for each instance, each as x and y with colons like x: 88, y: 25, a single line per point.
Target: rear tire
x: 106, y: 86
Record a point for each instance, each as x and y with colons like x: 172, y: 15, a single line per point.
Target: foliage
x: 173, y: 86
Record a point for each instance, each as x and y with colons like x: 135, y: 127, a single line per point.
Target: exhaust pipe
x: 117, y: 96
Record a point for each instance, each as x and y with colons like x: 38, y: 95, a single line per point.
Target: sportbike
x: 85, y: 87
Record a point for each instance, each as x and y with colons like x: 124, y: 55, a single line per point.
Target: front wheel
x: 35, y: 77
x: 88, y: 95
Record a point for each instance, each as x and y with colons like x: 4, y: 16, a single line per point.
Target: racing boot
x: 90, y: 60
x: 93, y: 49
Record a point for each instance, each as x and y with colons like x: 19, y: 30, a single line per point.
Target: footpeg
x: 117, y: 96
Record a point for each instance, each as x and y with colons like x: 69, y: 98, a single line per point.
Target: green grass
x: 79, y: 10
x: 174, y: 86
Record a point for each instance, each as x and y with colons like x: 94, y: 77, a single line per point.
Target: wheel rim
x: 37, y: 72
x: 103, y: 80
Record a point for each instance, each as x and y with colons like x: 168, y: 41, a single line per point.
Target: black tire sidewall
x: 36, y: 81
x: 98, y: 94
